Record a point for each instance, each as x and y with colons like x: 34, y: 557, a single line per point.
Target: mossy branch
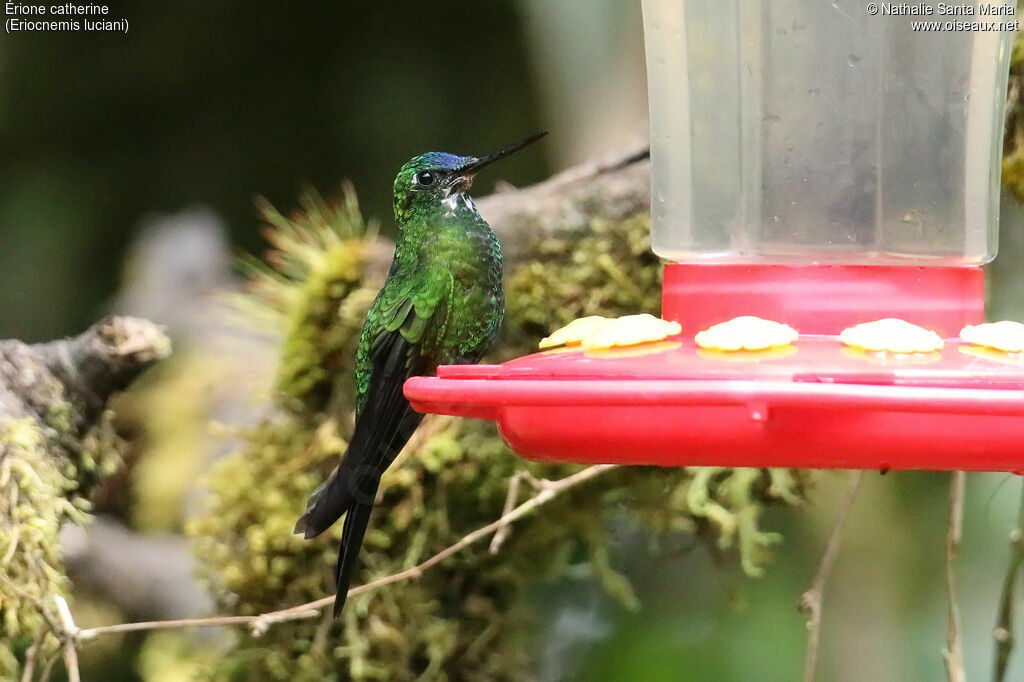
x: 80, y: 373
x: 55, y: 442
x: 103, y: 360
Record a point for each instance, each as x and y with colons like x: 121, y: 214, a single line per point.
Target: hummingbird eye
x: 425, y: 178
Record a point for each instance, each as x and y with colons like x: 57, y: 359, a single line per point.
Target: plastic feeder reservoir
x: 821, y: 167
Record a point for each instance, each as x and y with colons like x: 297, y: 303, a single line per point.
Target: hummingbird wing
x: 399, y: 338
x: 384, y: 422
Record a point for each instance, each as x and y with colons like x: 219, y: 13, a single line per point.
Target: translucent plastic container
x: 804, y: 131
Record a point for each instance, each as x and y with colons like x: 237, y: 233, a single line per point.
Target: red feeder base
x: 824, y: 299
x: 815, y: 404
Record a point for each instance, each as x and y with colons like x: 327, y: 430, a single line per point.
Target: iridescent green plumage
x: 441, y: 303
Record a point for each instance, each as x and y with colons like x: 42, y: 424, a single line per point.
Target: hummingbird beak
x: 474, y: 165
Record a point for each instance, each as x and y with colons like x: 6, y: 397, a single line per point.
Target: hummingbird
x: 442, y: 303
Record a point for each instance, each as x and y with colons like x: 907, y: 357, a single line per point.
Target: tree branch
x: 84, y: 371
x: 104, y: 360
x: 811, y: 600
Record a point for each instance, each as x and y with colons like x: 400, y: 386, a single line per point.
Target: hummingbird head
x: 429, y: 180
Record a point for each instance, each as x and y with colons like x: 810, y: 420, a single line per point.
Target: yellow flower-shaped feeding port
x: 573, y: 333
x: 1006, y: 336
x: 595, y: 332
x: 746, y: 333
x: 629, y: 331
x: 891, y: 335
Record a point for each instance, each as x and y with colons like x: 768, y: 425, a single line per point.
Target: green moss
x: 314, y: 293
x: 608, y: 269
x: 47, y: 467
x: 36, y: 497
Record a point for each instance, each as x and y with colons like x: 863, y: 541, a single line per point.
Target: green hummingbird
x: 442, y: 303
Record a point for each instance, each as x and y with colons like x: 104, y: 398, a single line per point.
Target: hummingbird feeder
x: 819, y: 166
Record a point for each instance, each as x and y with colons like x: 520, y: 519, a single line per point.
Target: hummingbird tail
x: 329, y: 501
x: 349, y: 493
x: 353, y: 531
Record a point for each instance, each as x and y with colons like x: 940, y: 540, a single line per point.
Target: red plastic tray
x: 816, y: 404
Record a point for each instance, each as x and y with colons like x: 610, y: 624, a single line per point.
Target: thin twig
x: 32, y: 655
x: 69, y: 638
x: 44, y: 676
x: 259, y: 624
x: 510, y: 503
x: 811, y: 600
x: 1003, y: 632
x: 953, y: 655
x: 89, y: 633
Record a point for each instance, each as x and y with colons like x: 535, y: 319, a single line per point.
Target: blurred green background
x: 215, y: 103
x: 209, y: 104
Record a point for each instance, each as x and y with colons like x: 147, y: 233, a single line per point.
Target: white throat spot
x: 458, y: 201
